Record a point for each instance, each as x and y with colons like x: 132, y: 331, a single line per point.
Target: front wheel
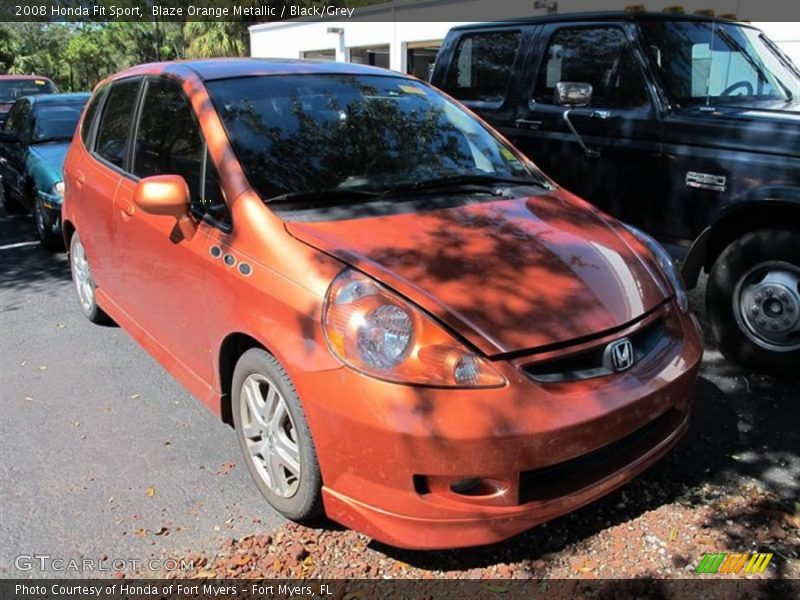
x: 274, y: 436
x: 753, y: 301
x: 84, y: 283
x: 44, y: 228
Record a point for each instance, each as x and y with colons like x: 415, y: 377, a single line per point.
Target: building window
x: 421, y: 58
x: 375, y: 56
x: 329, y: 55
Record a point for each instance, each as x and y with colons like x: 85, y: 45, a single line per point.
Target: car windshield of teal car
x: 56, y: 123
x: 13, y: 89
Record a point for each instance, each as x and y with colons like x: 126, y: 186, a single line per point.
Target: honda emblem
x: 620, y: 354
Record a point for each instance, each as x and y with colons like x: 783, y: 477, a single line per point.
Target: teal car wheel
x: 43, y: 218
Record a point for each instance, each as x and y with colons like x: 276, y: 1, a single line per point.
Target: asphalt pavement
x: 100, y: 449
x: 105, y: 456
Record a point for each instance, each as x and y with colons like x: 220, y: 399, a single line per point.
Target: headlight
x: 668, y: 267
x: 58, y: 188
x: 374, y: 331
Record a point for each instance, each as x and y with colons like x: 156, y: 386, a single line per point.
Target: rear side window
x: 481, y: 67
x: 91, y: 111
x: 115, y: 123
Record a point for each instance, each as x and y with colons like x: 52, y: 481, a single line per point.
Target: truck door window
x: 600, y: 56
x: 481, y: 68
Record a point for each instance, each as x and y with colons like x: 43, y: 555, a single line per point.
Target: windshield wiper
x: 488, y: 183
x: 340, y: 194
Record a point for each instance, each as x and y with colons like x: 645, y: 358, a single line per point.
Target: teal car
x: 33, y: 144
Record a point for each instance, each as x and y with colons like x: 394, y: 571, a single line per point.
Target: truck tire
x: 753, y: 302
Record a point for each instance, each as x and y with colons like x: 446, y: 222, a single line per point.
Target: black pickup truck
x: 686, y: 127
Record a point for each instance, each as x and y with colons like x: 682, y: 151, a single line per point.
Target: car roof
x: 228, y: 68
x: 72, y: 98
x: 616, y: 15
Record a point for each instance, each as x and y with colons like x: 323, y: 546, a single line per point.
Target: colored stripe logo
x: 736, y: 562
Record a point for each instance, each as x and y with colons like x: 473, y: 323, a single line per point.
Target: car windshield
x: 302, y: 134
x: 12, y: 89
x: 708, y: 62
x: 56, y: 122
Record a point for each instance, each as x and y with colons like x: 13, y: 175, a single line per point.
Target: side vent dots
x: 230, y: 260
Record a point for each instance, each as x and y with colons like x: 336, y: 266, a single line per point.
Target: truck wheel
x: 753, y: 302
x: 274, y: 436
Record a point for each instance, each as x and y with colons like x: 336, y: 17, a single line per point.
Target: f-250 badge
x: 706, y: 181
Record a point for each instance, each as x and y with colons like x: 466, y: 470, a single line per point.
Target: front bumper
x: 389, y: 454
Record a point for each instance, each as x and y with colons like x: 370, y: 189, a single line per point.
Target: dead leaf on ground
x: 151, y: 491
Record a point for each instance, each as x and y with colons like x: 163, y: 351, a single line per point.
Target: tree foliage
x: 78, y: 55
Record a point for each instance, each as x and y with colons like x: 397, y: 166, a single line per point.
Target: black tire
x: 305, y: 504
x: 90, y: 309
x: 12, y: 206
x: 44, y: 228
x: 743, y: 256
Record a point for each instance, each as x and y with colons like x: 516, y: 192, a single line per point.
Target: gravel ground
x: 731, y: 485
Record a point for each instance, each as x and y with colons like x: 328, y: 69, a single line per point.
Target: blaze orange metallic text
x: 428, y: 340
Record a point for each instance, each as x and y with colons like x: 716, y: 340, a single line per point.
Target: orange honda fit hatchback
x: 411, y: 328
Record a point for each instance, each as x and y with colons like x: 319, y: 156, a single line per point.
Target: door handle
x: 527, y: 124
x: 127, y: 207
x: 80, y: 178
x: 3, y: 161
x: 587, y: 152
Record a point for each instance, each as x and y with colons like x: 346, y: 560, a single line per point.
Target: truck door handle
x: 527, y: 124
x: 127, y: 207
x: 587, y: 152
x: 80, y: 178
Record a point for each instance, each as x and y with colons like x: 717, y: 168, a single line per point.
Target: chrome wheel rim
x: 766, y: 304
x: 82, y: 276
x: 270, y: 435
x: 39, y: 216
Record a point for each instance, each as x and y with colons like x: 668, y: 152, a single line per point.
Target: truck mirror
x: 572, y: 93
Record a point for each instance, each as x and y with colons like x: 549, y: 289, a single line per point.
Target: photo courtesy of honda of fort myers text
x: 413, y: 299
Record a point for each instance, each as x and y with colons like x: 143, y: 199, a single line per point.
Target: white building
x: 405, y: 35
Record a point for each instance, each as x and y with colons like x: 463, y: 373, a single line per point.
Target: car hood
x: 507, y: 275
x: 51, y: 154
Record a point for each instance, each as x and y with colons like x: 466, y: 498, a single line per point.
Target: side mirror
x: 168, y: 196
x: 9, y: 137
x: 571, y: 93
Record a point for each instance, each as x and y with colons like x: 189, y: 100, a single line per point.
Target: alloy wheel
x: 82, y: 276
x: 270, y: 435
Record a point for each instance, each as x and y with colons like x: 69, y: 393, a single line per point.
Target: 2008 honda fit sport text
x: 411, y: 328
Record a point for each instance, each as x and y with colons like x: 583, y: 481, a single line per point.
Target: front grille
x: 571, y: 476
x: 591, y: 363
